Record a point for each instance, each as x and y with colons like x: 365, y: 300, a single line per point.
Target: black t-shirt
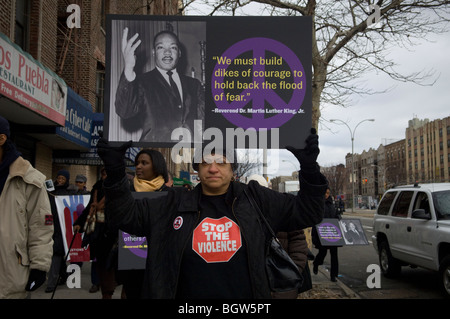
x: 214, y: 263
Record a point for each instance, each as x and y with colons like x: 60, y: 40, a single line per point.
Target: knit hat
x: 4, y: 127
x: 260, y: 179
x: 64, y: 173
x: 81, y: 178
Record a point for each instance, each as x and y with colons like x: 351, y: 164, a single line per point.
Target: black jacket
x: 155, y: 219
x: 150, y: 98
x: 330, y: 209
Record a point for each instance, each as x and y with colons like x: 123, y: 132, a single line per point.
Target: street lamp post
x: 352, y: 135
x: 288, y: 161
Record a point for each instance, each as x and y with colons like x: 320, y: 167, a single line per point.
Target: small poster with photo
x: 353, y: 232
x: 330, y: 233
x: 344, y: 232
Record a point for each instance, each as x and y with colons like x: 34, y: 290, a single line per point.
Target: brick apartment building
x: 423, y: 156
x: 428, y: 150
x: 35, y: 38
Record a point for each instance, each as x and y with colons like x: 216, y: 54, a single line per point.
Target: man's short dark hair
x: 166, y: 32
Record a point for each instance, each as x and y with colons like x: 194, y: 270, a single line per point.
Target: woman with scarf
x: 151, y: 176
x: 26, y: 224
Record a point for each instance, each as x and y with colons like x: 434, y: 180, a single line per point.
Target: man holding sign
x: 209, y: 242
x: 164, y: 98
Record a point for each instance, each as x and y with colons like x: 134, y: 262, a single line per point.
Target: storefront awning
x: 30, y: 93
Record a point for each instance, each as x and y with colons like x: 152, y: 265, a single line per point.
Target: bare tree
x: 249, y: 162
x: 336, y: 176
x: 346, y: 43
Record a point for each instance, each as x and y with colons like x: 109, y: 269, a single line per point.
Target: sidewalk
x: 323, y: 288
x: 360, y: 212
x: 64, y: 292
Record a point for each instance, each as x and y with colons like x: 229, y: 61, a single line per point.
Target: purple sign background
x: 259, y: 120
x: 324, y: 232
x: 137, y: 241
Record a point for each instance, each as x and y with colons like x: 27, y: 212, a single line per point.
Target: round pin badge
x: 177, y: 223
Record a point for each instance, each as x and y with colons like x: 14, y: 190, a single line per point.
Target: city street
x: 413, y: 283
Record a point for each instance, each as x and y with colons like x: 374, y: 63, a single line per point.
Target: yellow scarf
x: 142, y: 185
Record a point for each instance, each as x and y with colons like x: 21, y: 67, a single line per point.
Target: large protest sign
x: 243, y: 82
x: 133, y: 249
x: 335, y: 232
x: 69, y: 209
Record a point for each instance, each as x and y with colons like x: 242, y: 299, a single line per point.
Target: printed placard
x: 335, y: 232
x: 244, y: 82
x: 69, y: 208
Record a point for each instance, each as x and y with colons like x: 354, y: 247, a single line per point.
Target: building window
x: 103, y: 14
x: 22, y: 24
x: 99, y: 88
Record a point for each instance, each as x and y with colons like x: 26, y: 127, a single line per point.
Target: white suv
x: 412, y: 227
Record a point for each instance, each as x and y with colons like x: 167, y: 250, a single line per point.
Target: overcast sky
x: 394, y: 109
x: 391, y: 110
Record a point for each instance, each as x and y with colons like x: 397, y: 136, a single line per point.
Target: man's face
x: 80, y: 185
x: 166, y: 51
x: 215, y: 174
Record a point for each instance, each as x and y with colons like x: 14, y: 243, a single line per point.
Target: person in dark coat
x: 208, y: 242
x: 102, y: 241
x: 294, y: 243
x: 330, y: 212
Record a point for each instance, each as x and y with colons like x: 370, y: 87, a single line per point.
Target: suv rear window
x: 388, y: 198
x: 402, y: 204
x: 441, y: 202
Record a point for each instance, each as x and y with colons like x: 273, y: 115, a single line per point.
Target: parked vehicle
x: 412, y: 227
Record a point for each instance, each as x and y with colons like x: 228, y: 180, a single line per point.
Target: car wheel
x: 390, y: 267
x: 444, y: 274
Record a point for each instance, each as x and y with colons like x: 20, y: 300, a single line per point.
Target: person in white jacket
x: 26, y: 224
